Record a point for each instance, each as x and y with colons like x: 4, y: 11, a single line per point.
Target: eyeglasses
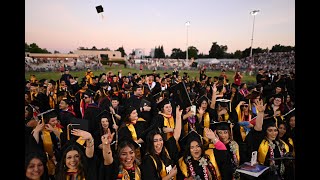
x: 85, y: 97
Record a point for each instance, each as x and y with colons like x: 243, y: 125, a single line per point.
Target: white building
x: 139, y: 53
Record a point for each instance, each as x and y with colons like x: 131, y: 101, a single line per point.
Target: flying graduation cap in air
x: 100, y: 10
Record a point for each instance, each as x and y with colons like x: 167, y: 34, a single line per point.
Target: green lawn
x: 80, y: 74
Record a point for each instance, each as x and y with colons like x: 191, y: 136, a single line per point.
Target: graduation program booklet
x: 255, y: 170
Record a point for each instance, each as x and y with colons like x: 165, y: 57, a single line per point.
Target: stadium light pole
x: 253, y: 13
x: 187, y: 25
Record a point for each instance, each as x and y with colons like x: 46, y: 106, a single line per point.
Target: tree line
x: 216, y: 51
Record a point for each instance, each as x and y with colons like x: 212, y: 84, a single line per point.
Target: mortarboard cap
x: 78, y: 123
x: 191, y: 136
x: 124, y: 141
x: 68, y: 100
x: 180, y: 95
x: 223, y: 102
x: 89, y: 93
x: 52, y: 82
x: 136, y: 86
x: 223, y: 125
x: 104, y: 84
x: 201, y: 99
x: 233, y: 85
x: 253, y: 95
x: 162, y: 103
x: 268, y: 122
x: 279, y: 95
x: 47, y: 115
x: 99, y: 9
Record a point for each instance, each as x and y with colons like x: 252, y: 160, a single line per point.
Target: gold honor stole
x: 126, y: 175
x: 240, y: 119
x: 132, y: 129
x: 206, y: 123
x: 47, y: 145
x: 133, y: 132
x: 163, y: 171
x: 209, y: 152
x: 168, y: 122
x: 264, y: 148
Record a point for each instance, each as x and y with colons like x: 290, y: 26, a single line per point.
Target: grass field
x: 80, y: 74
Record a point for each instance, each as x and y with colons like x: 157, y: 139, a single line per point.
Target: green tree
x: 217, y: 51
x: 193, y: 52
x: 176, y: 53
x: 121, y: 49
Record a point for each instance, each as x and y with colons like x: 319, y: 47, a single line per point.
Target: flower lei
x: 204, y: 162
x: 233, y: 149
x: 192, y: 121
x: 124, y: 173
x: 281, y: 148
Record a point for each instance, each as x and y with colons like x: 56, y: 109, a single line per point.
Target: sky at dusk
x: 65, y: 25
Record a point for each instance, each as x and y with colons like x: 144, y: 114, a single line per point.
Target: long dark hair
x: 187, y: 148
x: 42, y: 157
x: 164, y: 156
x: 82, y: 167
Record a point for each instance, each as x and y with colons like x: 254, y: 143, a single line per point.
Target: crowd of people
x: 158, y: 126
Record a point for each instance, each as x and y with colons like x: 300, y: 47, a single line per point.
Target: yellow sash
x: 168, y: 122
x: 132, y: 129
x: 133, y: 132
x: 137, y: 173
x: 240, y: 119
x: 47, y: 142
x: 264, y: 148
x: 209, y: 152
x: 163, y: 171
x: 214, y: 162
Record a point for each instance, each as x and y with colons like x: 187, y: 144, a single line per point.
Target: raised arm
x: 214, y: 96
x: 89, y: 140
x: 177, y: 129
x: 106, y: 148
x: 259, y: 120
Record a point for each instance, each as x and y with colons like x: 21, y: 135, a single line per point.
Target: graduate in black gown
x: 200, y: 163
x: 264, y: 139
x: 120, y: 165
x: 161, y: 162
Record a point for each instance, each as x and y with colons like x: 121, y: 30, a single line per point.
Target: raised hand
x: 81, y: 133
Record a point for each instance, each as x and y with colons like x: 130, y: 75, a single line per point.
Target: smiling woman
x: 35, y: 167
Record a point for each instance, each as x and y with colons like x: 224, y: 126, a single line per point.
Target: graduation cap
x: 105, y: 83
x: 222, y: 125
x: 253, y: 95
x: 52, y: 82
x: 180, y: 95
x: 124, y: 141
x: 268, y: 122
x: 162, y: 103
x: 136, y: 86
x: 201, y: 99
x: 279, y: 95
x: 99, y: 9
x: 68, y: 100
x: 223, y: 102
x: 191, y: 136
x: 233, y: 85
x: 89, y: 93
x: 47, y: 115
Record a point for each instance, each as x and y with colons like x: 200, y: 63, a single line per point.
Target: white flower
x: 189, y: 157
x: 272, y: 145
x: 203, y: 162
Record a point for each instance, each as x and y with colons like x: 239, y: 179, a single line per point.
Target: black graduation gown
x: 148, y: 168
x: 253, y: 140
x: 91, y: 113
x: 110, y: 172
